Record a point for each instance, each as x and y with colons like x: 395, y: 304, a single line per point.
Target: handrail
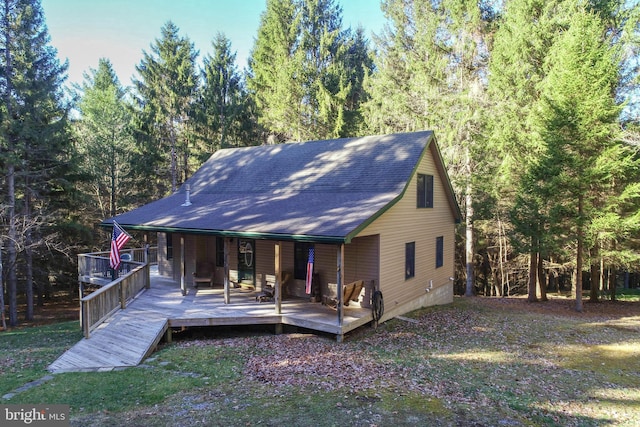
x: 131, y: 278
x: 99, y: 305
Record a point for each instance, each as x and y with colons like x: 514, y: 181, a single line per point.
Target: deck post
x: 278, y: 284
x: 227, y: 292
x: 183, y: 283
x: 340, y: 283
x: 81, y: 294
x: 123, y: 295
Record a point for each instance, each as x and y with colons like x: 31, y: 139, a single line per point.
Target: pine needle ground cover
x: 479, y: 361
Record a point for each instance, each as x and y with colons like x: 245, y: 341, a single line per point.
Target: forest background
x: 534, y: 104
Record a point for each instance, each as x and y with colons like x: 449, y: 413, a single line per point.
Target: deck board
x: 130, y: 335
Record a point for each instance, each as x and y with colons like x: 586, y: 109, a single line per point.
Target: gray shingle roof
x: 318, y: 190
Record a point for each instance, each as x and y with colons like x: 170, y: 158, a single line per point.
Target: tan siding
x: 265, y: 257
x: 361, y: 260
x: 165, y: 268
x: 405, y: 223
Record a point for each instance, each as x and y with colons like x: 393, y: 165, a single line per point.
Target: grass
x: 475, y: 362
x: 626, y: 294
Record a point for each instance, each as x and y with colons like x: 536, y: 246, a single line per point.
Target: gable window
x: 425, y: 191
x: 301, y: 259
x: 169, y: 245
x: 439, y: 251
x: 410, y: 260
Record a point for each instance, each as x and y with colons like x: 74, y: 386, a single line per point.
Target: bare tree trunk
x: 501, y: 256
x: 579, y: 257
x: 12, y: 276
x: 612, y: 283
x: 595, y: 275
x: 174, y: 156
x: 113, y: 178
x: 542, y: 280
x: 28, y: 252
x: 12, y: 254
x: 533, y: 273
x: 3, y: 319
x: 469, y: 231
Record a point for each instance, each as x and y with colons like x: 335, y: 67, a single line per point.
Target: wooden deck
x: 132, y: 334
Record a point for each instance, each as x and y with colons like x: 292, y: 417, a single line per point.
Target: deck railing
x: 131, y: 278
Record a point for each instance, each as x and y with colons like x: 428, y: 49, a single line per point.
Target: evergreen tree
x: 34, y: 144
x: 105, y: 138
x: 430, y: 74
x: 166, y: 92
x: 222, y: 99
x: 274, y: 67
x: 305, y: 72
x: 577, y: 117
x: 526, y: 31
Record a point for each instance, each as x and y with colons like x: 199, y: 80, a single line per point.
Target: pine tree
x: 105, y: 138
x: 222, y: 99
x: 577, y: 118
x: 526, y: 32
x: 306, y: 72
x: 34, y: 139
x: 273, y: 68
x: 430, y: 72
x: 166, y: 91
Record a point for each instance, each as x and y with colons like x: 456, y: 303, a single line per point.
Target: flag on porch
x: 119, y: 238
x: 309, y: 271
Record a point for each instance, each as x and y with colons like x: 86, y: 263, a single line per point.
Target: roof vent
x: 187, y: 200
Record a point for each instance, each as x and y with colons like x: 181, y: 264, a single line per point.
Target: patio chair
x: 203, y: 274
x: 269, y: 291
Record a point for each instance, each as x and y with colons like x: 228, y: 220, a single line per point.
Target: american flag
x: 119, y: 238
x: 309, y: 271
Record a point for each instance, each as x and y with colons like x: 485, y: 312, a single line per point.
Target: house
x: 378, y: 213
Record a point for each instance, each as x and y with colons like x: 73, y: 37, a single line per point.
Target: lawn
x: 477, y: 362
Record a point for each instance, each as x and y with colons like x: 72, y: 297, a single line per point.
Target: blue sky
x: 85, y: 30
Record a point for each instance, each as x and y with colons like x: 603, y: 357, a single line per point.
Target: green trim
x: 440, y: 167
x: 238, y: 234
x: 451, y: 193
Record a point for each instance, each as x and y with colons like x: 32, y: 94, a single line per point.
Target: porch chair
x: 203, y: 274
x: 269, y: 290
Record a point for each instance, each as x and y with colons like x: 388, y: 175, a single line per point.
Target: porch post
x: 183, y: 282
x: 278, y: 284
x: 340, y: 281
x: 227, y: 292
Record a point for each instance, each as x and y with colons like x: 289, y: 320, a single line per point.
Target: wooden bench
x: 350, y: 292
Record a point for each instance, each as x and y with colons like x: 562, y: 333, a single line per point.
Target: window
x: 410, y: 260
x: 301, y: 259
x: 425, y: 191
x: 219, y: 251
x: 439, y: 251
x: 169, y: 245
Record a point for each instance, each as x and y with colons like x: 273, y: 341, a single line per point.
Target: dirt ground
x: 59, y: 308
x: 565, y: 306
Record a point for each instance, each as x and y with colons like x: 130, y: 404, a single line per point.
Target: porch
x: 131, y: 334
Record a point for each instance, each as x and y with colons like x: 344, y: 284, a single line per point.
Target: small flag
x: 309, y: 271
x: 119, y: 238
